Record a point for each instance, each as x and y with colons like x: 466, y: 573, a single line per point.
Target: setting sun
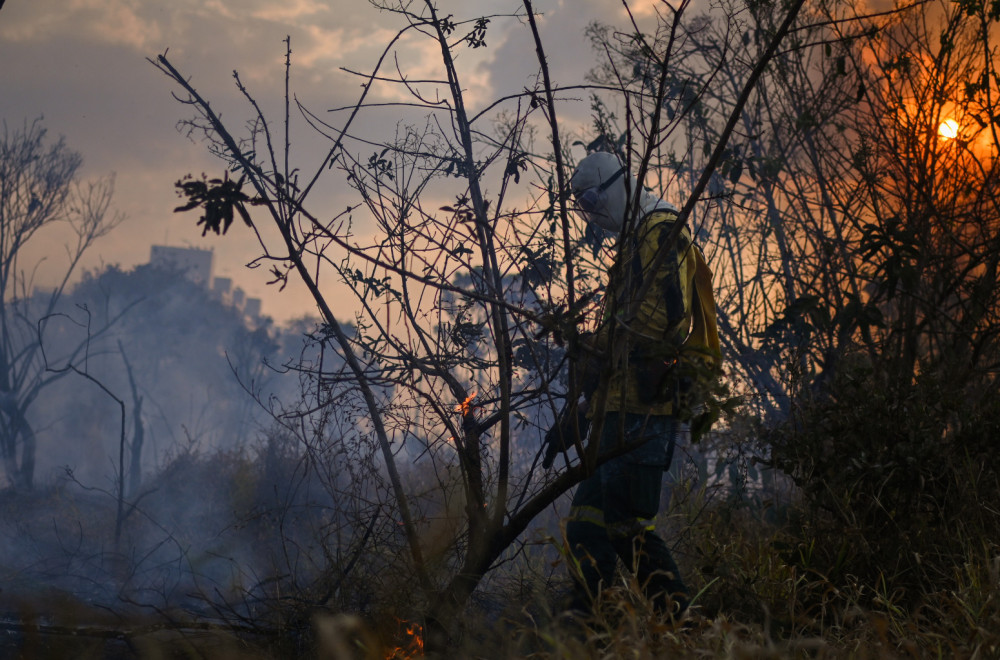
x: 948, y: 129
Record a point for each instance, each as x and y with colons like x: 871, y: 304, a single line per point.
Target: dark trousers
x: 612, y: 511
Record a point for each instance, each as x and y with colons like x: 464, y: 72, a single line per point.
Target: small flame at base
x: 415, y: 646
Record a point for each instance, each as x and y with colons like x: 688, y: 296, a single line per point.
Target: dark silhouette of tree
x: 902, y: 328
x: 854, y: 235
x: 38, y: 189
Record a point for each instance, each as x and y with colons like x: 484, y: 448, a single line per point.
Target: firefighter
x: 660, y: 338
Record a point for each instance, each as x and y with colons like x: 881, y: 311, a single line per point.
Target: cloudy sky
x: 82, y: 65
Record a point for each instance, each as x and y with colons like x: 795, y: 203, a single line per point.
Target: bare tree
x: 469, y: 307
x: 38, y: 189
x: 853, y: 226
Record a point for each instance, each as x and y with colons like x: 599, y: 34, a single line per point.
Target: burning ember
x: 414, y: 638
x: 466, y: 406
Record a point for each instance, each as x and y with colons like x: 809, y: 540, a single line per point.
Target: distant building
x: 197, y: 266
x: 252, y: 308
x: 221, y: 286
x: 195, y: 263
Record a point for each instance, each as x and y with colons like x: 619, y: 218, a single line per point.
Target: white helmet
x: 599, y: 188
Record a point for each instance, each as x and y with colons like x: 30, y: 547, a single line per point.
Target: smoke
x: 252, y: 486
x: 175, y: 353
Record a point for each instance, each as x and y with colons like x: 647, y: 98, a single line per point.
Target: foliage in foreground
x: 773, y: 580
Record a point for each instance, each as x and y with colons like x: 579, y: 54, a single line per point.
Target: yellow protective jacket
x: 673, y: 327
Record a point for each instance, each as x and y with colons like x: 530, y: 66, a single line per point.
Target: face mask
x: 594, y: 199
x: 599, y: 188
x: 602, y: 204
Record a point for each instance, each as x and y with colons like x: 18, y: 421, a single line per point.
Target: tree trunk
x: 135, y: 466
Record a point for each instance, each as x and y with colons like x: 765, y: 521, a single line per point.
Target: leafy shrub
x: 895, y: 475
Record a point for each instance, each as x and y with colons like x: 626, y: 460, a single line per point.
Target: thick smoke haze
x: 181, y: 354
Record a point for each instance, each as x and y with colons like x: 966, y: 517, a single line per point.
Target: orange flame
x: 414, y: 647
x: 466, y: 406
